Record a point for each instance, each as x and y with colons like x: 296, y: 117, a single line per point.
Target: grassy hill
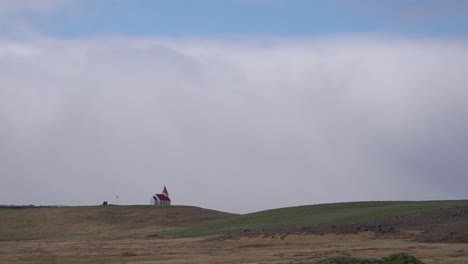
x: 93, y: 222
x: 301, y: 216
x: 113, y: 222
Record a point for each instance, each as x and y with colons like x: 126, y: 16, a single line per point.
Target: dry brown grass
x: 293, y: 248
x: 119, y: 235
x: 98, y: 222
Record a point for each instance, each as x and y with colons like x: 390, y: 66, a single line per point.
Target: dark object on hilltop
x: 104, y: 203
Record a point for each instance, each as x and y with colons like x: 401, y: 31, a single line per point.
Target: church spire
x: 165, y: 192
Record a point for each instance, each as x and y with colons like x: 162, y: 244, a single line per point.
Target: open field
x: 132, y: 234
x: 98, y: 222
x: 293, y: 248
x: 313, y: 215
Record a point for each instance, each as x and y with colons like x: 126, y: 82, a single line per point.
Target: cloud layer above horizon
x: 236, y: 125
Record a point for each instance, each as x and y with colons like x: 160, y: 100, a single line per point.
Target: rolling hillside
x: 94, y: 222
x: 312, y: 215
x: 114, y: 222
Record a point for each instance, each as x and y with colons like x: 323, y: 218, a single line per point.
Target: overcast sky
x: 240, y: 107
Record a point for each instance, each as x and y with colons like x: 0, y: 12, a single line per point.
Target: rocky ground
x: 441, y: 225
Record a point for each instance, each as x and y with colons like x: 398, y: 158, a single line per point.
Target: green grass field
x: 310, y: 215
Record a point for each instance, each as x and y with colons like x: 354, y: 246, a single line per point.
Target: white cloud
x: 236, y: 125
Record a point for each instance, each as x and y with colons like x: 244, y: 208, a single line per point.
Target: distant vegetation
x: 311, y: 215
x: 26, y: 206
x: 400, y: 258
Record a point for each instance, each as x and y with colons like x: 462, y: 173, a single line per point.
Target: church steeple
x: 165, y: 192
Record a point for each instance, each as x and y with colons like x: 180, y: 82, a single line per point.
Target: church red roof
x: 165, y: 191
x: 162, y: 197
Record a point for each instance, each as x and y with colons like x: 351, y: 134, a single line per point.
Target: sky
x: 235, y: 105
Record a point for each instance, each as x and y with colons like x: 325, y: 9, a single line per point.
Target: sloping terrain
x: 443, y: 225
x: 338, y: 217
x: 96, y: 222
x: 440, y: 225
x: 119, y: 234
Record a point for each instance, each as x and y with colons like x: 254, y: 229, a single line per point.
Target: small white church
x: 161, y: 198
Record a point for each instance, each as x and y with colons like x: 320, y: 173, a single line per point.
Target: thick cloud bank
x: 238, y: 125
